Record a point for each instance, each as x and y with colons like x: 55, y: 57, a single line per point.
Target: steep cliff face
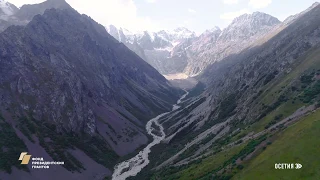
x: 214, y: 46
x: 63, y: 72
x: 27, y: 12
x: 7, y: 9
x: 250, y: 96
x: 11, y: 15
x: 156, y: 48
x: 181, y: 51
x: 241, y: 81
x: 68, y: 64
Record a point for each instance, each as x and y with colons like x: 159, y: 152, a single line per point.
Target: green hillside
x: 300, y: 143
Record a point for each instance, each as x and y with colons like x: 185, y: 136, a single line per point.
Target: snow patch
x: 187, y: 47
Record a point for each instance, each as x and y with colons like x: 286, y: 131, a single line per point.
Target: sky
x: 196, y: 15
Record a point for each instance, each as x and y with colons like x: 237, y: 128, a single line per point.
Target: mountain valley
x: 112, y: 104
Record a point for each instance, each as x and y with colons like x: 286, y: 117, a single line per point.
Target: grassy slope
x: 208, y: 164
x: 286, y: 110
x: 306, y: 63
x: 299, y: 143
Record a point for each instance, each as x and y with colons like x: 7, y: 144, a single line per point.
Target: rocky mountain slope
x: 216, y: 45
x: 11, y: 15
x: 73, y: 93
x: 7, y: 9
x: 255, y: 95
x: 181, y: 51
x: 155, y: 47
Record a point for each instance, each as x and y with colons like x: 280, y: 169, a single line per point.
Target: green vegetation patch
x: 299, y: 143
x: 198, y: 170
x: 10, y: 148
x: 196, y: 91
x: 57, y: 144
x: 311, y: 92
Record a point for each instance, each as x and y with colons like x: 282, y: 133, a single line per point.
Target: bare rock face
x: 214, y: 46
x: 65, y: 69
x: 181, y: 51
x: 7, y: 9
x: 237, y: 86
x: 27, y: 12
x: 248, y: 25
x: 78, y: 89
x: 11, y: 15
x: 155, y: 47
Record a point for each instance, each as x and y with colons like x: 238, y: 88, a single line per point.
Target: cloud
x: 192, y: 11
x: 259, y: 4
x: 19, y: 3
x: 232, y: 15
x: 151, y: 1
x: 230, y: 2
x: 121, y: 13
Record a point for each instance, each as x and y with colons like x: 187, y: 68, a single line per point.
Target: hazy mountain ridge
x: 250, y: 95
x: 111, y: 85
x: 7, y: 9
x: 73, y: 92
x: 67, y: 78
x: 181, y: 51
x: 11, y: 15
x: 155, y: 47
x: 236, y: 37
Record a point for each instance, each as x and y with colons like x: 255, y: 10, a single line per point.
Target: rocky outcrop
x: 246, y: 88
x: 65, y: 69
x: 181, y: 51
x: 155, y: 47
x: 11, y: 15
x: 213, y: 46
x: 27, y: 12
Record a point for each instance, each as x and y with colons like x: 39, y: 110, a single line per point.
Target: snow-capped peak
x: 176, y: 34
x: 126, y: 32
x: 151, y: 34
x: 216, y: 28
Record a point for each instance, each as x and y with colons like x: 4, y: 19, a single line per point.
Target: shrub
x: 240, y: 166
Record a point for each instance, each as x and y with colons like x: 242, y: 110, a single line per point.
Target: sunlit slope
x: 300, y: 143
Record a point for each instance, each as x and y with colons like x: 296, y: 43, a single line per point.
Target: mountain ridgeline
x: 155, y: 47
x: 181, y: 51
x: 256, y: 96
x: 75, y: 91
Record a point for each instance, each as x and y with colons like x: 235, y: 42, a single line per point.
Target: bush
x: 318, y: 104
x: 311, y: 92
x: 227, y: 106
x: 274, y: 121
x: 10, y: 146
x: 270, y: 77
x: 239, y: 142
x: 306, y: 79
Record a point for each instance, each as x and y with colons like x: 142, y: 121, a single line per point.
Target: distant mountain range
x: 76, y: 91
x: 155, y: 47
x: 181, y: 51
x: 259, y: 94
